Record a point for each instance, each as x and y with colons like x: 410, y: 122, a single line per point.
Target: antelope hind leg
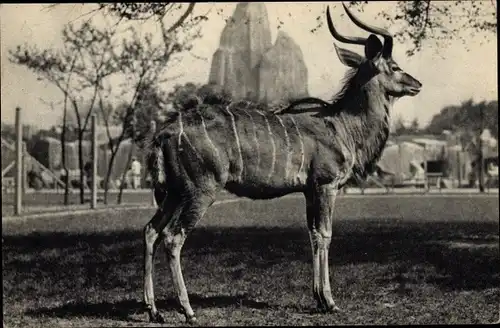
x: 175, y: 234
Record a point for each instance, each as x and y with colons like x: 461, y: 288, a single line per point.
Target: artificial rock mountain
x: 248, y: 65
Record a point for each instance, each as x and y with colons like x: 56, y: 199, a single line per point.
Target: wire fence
x: 403, y: 168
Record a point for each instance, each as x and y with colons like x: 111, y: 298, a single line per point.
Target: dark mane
x: 347, y: 83
x: 318, y: 105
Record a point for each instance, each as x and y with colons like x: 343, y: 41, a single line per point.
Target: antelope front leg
x: 320, y: 207
x: 175, y: 235
x: 310, y: 212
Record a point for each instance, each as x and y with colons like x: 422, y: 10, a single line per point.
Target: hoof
x: 329, y: 309
x: 191, y: 320
x: 333, y: 309
x: 156, y: 317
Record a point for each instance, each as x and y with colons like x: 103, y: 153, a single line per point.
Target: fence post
x: 25, y: 167
x: 426, y: 182
x: 94, y: 162
x: 153, y: 131
x: 19, y: 164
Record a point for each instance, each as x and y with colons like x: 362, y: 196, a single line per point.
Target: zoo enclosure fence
x: 18, y: 187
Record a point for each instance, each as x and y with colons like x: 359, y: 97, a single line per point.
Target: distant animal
x: 208, y: 148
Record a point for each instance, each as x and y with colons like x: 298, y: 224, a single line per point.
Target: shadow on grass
x: 107, y: 261
x: 123, y: 310
x: 380, y: 241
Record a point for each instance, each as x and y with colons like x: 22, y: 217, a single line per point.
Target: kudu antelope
x: 262, y: 156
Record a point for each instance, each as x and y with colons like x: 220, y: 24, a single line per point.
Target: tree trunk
x: 480, y: 159
x: 108, y: 173
x: 480, y: 163
x: 108, y: 177
x: 129, y: 159
x: 63, y: 160
x: 81, y: 165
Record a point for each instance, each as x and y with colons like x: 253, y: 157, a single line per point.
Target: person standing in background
x: 135, y: 167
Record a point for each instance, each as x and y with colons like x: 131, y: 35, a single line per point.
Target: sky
x: 449, y: 76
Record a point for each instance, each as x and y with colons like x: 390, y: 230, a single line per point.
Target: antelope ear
x: 373, y: 47
x: 348, y: 57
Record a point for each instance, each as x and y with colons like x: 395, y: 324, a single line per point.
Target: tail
x: 154, y: 144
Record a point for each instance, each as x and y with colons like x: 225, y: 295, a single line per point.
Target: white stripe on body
x: 216, y: 151
x: 183, y: 134
x: 181, y: 130
x: 302, y: 153
x: 255, y: 138
x: 271, y: 136
x: 237, y: 143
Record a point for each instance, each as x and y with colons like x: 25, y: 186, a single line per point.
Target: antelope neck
x: 364, y: 122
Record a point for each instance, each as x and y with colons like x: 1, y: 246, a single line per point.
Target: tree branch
x: 47, y: 103
x: 181, y: 20
x: 67, y: 86
x: 426, y: 19
x: 87, y: 117
x: 105, y: 117
x: 171, y: 78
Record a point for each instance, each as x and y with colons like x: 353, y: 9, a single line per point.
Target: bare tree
x: 62, y: 138
x: 87, y: 55
x: 140, y: 59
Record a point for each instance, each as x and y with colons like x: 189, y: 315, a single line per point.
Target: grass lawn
x: 413, y: 260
